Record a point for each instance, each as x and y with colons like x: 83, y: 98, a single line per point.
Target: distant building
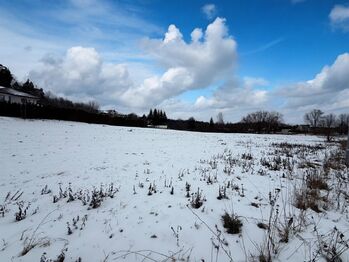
x: 158, y: 126
x: 13, y: 96
x: 285, y: 131
x: 113, y: 113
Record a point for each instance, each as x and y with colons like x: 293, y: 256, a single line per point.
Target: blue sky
x: 266, y: 54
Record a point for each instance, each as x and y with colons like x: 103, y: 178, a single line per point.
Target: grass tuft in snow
x: 232, y: 223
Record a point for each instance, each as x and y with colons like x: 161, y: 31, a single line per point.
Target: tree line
x: 157, y: 117
x: 53, y: 107
x: 327, y: 123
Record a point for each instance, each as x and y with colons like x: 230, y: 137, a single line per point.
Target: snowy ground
x: 37, y: 158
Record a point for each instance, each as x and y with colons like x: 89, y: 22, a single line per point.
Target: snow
x: 36, y: 153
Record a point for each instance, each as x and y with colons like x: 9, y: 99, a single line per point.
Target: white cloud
x: 209, y: 10
x: 172, y: 35
x: 234, y: 99
x: 82, y: 74
x: 253, y: 81
x: 54, y: 28
x: 265, y: 46
x: 156, y: 89
x: 237, y: 95
x: 210, y: 56
x: 328, y: 90
x: 196, y: 35
x: 331, y: 79
x: 339, y: 17
x: 14, y: 42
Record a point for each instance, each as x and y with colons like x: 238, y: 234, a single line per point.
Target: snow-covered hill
x: 105, y: 193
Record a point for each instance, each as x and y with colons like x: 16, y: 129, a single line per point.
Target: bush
x: 307, y: 198
x: 197, y: 200
x: 315, y: 180
x: 232, y: 223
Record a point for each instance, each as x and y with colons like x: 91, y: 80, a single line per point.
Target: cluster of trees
x: 69, y: 114
x: 59, y: 102
x: 220, y: 120
x: 327, y: 123
x: 263, y: 121
x: 46, y: 99
x: 256, y: 122
x: 317, y: 118
x: 157, y: 117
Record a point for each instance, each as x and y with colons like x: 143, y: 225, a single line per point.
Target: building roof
x: 14, y: 92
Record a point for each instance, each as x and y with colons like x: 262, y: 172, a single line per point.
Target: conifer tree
x: 150, y: 115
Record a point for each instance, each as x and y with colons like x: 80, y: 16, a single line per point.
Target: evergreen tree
x: 150, y: 115
x: 161, y: 117
x: 211, y: 122
x: 191, y: 123
x: 28, y: 86
x: 156, y: 116
x: 16, y: 86
x: 5, y: 76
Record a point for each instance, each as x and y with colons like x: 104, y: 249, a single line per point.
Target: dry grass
x: 316, y: 180
x: 307, y: 198
x: 232, y: 223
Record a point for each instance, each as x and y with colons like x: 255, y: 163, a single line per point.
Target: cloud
x: 209, y: 10
x: 82, y: 74
x: 55, y: 27
x: 237, y: 94
x: 21, y: 53
x: 328, y: 90
x: 210, y: 56
x: 265, y: 46
x: 253, y: 81
x: 339, y: 17
x: 234, y: 99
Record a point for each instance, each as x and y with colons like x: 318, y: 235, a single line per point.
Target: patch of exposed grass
x: 232, y: 223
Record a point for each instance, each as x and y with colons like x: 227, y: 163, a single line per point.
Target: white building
x: 13, y: 96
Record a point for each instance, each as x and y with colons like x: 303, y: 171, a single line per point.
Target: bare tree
x: 274, y: 118
x: 329, y: 122
x: 313, y: 117
x: 342, y: 123
x: 220, y: 118
x: 93, y: 106
x: 263, y: 120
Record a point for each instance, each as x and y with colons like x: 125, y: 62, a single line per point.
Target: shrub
x: 316, y: 181
x: 197, y: 199
x: 22, y: 211
x: 232, y: 223
x: 307, y: 198
x: 222, y: 193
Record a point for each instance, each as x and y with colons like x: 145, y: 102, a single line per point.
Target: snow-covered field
x: 133, y: 216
